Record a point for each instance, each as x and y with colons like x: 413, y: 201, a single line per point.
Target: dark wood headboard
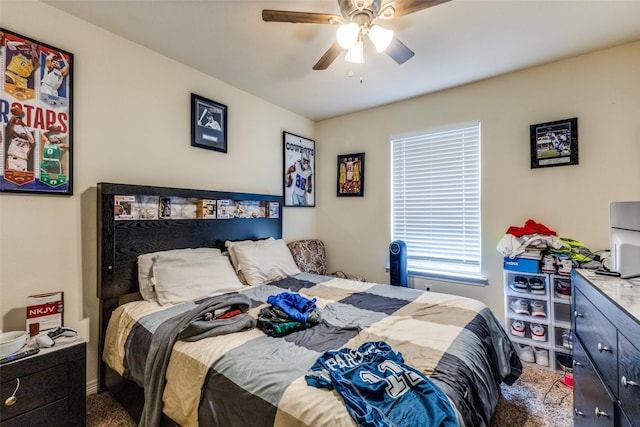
x: 120, y: 242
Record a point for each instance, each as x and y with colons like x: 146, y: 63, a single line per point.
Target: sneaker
x: 525, y: 352
x: 517, y: 328
x: 538, y: 332
x: 538, y: 309
x: 567, y: 339
x: 520, y: 284
x: 536, y: 285
x: 520, y: 306
x: 549, y: 264
x: 563, y: 288
x: 542, y: 356
x: 566, y: 265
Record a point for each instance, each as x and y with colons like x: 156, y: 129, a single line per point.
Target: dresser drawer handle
x: 602, y: 348
x: 11, y: 400
x: 577, y: 314
x: 600, y: 413
x: 628, y: 383
x: 579, y: 413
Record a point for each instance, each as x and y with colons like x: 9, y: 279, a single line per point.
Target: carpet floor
x: 537, y: 399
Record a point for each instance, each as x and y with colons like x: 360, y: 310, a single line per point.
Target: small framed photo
x: 554, y: 143
x: 208, y: 124
x: 351, y: 175
x: 299, y: 171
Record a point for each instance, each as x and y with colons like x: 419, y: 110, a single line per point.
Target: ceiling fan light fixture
x: 380, y: 37
x: 355, y: 54
x: 347, y: 35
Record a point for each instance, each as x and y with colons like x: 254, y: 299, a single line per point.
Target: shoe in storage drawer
x: 629, y: 373
x: 599, y: 338
x: 35, y: 390
x: 592, y: 404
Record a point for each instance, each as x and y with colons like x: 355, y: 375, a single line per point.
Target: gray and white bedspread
x: 249, y: 378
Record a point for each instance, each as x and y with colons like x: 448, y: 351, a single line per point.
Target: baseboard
x: 92, y: 387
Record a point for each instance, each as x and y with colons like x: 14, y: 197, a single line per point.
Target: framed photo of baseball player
x: 299, y: 171
x: 36, y: 110
x: 208, y: 124
x: 351, y: 175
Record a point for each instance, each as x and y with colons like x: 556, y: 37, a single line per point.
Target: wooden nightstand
x: 52, y: 387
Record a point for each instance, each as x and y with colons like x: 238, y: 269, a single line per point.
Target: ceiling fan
x: 358, y: 18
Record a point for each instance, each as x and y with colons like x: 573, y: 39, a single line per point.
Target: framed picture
x: 299, y: 171
x: 554, y: 143
x: 351, y: 175
x: 36, y: 115
x: 208, y: 124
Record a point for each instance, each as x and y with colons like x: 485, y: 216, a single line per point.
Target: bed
x: 248, y: 377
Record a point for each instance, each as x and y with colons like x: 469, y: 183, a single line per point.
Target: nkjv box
x: 44, y: 312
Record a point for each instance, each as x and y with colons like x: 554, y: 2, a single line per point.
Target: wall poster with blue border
x: 36, y: 104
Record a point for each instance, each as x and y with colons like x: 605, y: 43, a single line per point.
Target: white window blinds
x: 435, y: 199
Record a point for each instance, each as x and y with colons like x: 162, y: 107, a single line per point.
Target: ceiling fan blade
x: 329, y: 56
x: 300, y: 17
x: 399, y: 52
x: 405, y: 7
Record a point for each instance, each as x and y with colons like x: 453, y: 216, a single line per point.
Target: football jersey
x: 302, y: 178
x: 379, y: 389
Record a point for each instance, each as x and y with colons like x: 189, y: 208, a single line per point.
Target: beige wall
x: 601, y: 89
x: 131, y: 125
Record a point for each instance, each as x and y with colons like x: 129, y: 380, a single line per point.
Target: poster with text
x: 299, y: 171
x: 36, y: 100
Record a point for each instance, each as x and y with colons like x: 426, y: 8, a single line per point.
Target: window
x: 435, y: 201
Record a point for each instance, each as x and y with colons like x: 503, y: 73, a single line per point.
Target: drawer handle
x: 579, y: 413
x: 602, y: 348
x: 628, y: 383
x: 600, y: 413
x: 11, y: 400
x: 577, y: 314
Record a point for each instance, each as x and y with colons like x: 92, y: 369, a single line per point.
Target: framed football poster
x: 36, y: 110
x: 299, y: 171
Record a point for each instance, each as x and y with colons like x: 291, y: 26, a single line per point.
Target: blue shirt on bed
x: 379, y: 389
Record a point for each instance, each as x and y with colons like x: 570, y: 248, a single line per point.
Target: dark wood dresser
x: 52, y: 388
x: 606, y: 350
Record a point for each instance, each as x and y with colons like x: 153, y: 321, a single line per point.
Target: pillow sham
x: 266, y: 262
x: 232, y: 245
x: 180, y: 280
x: 145, y: 265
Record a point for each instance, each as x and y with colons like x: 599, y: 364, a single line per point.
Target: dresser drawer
x: 592, y: 405
x: 37, y: 389
x: 629, y: 377
x: 49, y: 415
x: 599, y: 337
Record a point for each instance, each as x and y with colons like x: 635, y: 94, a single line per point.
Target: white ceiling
x: 454, y: 43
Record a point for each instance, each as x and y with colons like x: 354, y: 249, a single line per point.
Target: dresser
x: 606, y: 350
x: 52, y: 387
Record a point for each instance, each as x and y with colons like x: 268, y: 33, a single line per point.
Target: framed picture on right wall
x: 350, y: 175
x: 554, y: 143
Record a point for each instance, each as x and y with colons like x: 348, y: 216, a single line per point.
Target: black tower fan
x: 398, y: 263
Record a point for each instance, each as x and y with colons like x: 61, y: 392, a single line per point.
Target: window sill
x: 452, y: 278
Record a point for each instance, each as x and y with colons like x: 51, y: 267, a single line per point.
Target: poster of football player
x: 208, y: 124
x: 35, y: 116
x: 299, y: 171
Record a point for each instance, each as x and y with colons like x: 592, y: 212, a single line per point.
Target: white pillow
x: 266, y: 262
x: 231, y: 247
x: 180, y: 280
x: 145, y: 266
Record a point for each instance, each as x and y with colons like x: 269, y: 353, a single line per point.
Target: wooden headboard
x: 121, y: 241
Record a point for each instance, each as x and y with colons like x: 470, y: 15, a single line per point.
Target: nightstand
x: 52, y: 387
